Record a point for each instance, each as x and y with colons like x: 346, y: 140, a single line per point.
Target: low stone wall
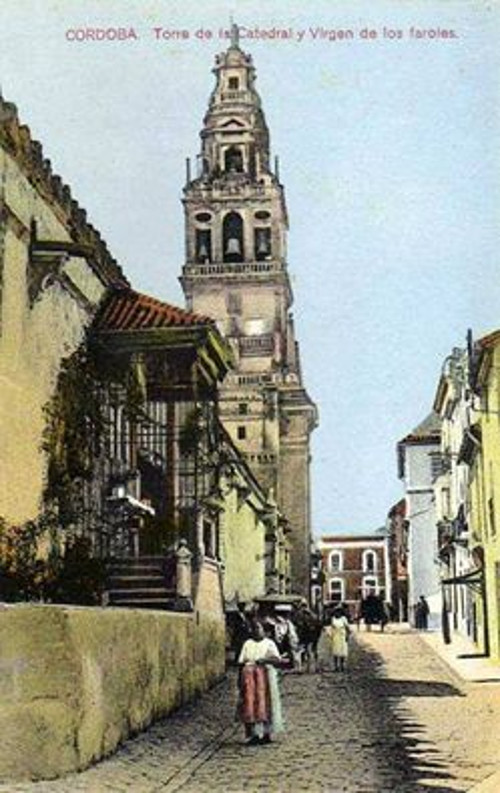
x: 74, y: 682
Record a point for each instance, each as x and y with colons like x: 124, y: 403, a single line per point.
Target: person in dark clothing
x: 241, y: 629
x: 372, y: 610
x: 422, y: 614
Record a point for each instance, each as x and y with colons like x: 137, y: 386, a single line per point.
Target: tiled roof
x: 399, y: 508
x: 126, y: 310
x: 428, y: 429
x: 490, y: 340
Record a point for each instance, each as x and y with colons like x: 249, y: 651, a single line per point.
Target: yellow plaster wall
x: 75, y: 682
x: 491, y: 472
x: 243, y: 549
x: 33, y: 341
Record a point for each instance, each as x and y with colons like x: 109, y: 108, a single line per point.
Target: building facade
x: 254, y: 547
x: 236, y: 271
x: 397, y: 532
x: 109, y: 414
x: 452, y: 499
x: 419, y: 464
x: 354, y: 566
x: 481, y: 453
x: 54, y: 271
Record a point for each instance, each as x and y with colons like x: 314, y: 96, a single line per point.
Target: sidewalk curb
x: 468, y: 669
x: 489, y: 785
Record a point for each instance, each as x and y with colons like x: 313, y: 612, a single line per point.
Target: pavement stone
x: 398, y: 721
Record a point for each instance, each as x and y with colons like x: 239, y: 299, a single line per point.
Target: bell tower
x: 235, y: 271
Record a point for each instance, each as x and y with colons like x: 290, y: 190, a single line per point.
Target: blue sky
x: 389, y: 157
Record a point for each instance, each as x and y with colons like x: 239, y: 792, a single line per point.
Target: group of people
x: 373, y: 611
x: 287, y: 638
x: 294, y: 629
x: 279, y: 642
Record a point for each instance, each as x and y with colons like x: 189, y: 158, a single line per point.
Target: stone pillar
x: 183, y: 557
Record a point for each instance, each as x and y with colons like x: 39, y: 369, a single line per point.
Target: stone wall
x: 75, y: 682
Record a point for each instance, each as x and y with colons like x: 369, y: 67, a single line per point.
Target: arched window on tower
x: 203, y: 246
x: 233, y: 160
x: 232, y: 238
x: 262, y: 243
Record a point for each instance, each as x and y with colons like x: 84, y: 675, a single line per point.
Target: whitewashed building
x: 419, y: 464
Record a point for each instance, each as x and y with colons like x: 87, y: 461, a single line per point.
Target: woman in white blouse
x: 259, y: 706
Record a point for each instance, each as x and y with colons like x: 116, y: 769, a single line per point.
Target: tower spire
x: 236, y: 271
x: 235, y: 35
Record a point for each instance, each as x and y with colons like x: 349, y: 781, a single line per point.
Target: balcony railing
x: 235, y: 269
x: 256, y: 345
x: 235, y: 96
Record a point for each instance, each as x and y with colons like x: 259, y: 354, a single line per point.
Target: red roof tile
x: 490, y: 340
x: 129, y: 310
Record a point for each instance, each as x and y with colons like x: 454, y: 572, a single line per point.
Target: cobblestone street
x: 393, y: 723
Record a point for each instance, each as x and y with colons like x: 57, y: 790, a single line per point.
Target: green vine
x: 77, y: 420
x: 35, y: 566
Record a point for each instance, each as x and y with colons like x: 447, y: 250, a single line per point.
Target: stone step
x: 140, y: 593
x: 126, y: 572
x: 136, y: 581
x: 140, y: 582
x: 145, y: 603
x: 133, y: 560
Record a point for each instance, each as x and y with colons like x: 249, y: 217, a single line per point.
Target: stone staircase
x: 143, y: 582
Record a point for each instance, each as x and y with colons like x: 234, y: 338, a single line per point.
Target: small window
x: 491, y: 514
x: 203, y: 246
x: 369, y: 561
x: 370, y: 586
x: 203, y: 217
x: 233, y: 303
x: 243, y: 408
x: 232, y: 238
x: 335, y: 561
x: 233, y: 160
x: 233, y: 83
x: 242, y: 433
x: 436, y: 465
x: 262, y: 243
x: 336, y: 590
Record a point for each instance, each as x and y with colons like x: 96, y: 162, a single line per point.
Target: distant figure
x: 241, y: 629
x: 309, y: 628
x: 372, y: 611
x: 422, y: 614
x: 339, y: 633
x: 386, y: 615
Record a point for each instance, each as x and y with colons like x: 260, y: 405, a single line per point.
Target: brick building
x: 354, y: 565
x: 397, y: 527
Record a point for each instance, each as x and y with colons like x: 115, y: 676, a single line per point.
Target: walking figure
x: 339, y: 634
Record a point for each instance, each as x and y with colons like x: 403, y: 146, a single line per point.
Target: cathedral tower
x: 236, y: 271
